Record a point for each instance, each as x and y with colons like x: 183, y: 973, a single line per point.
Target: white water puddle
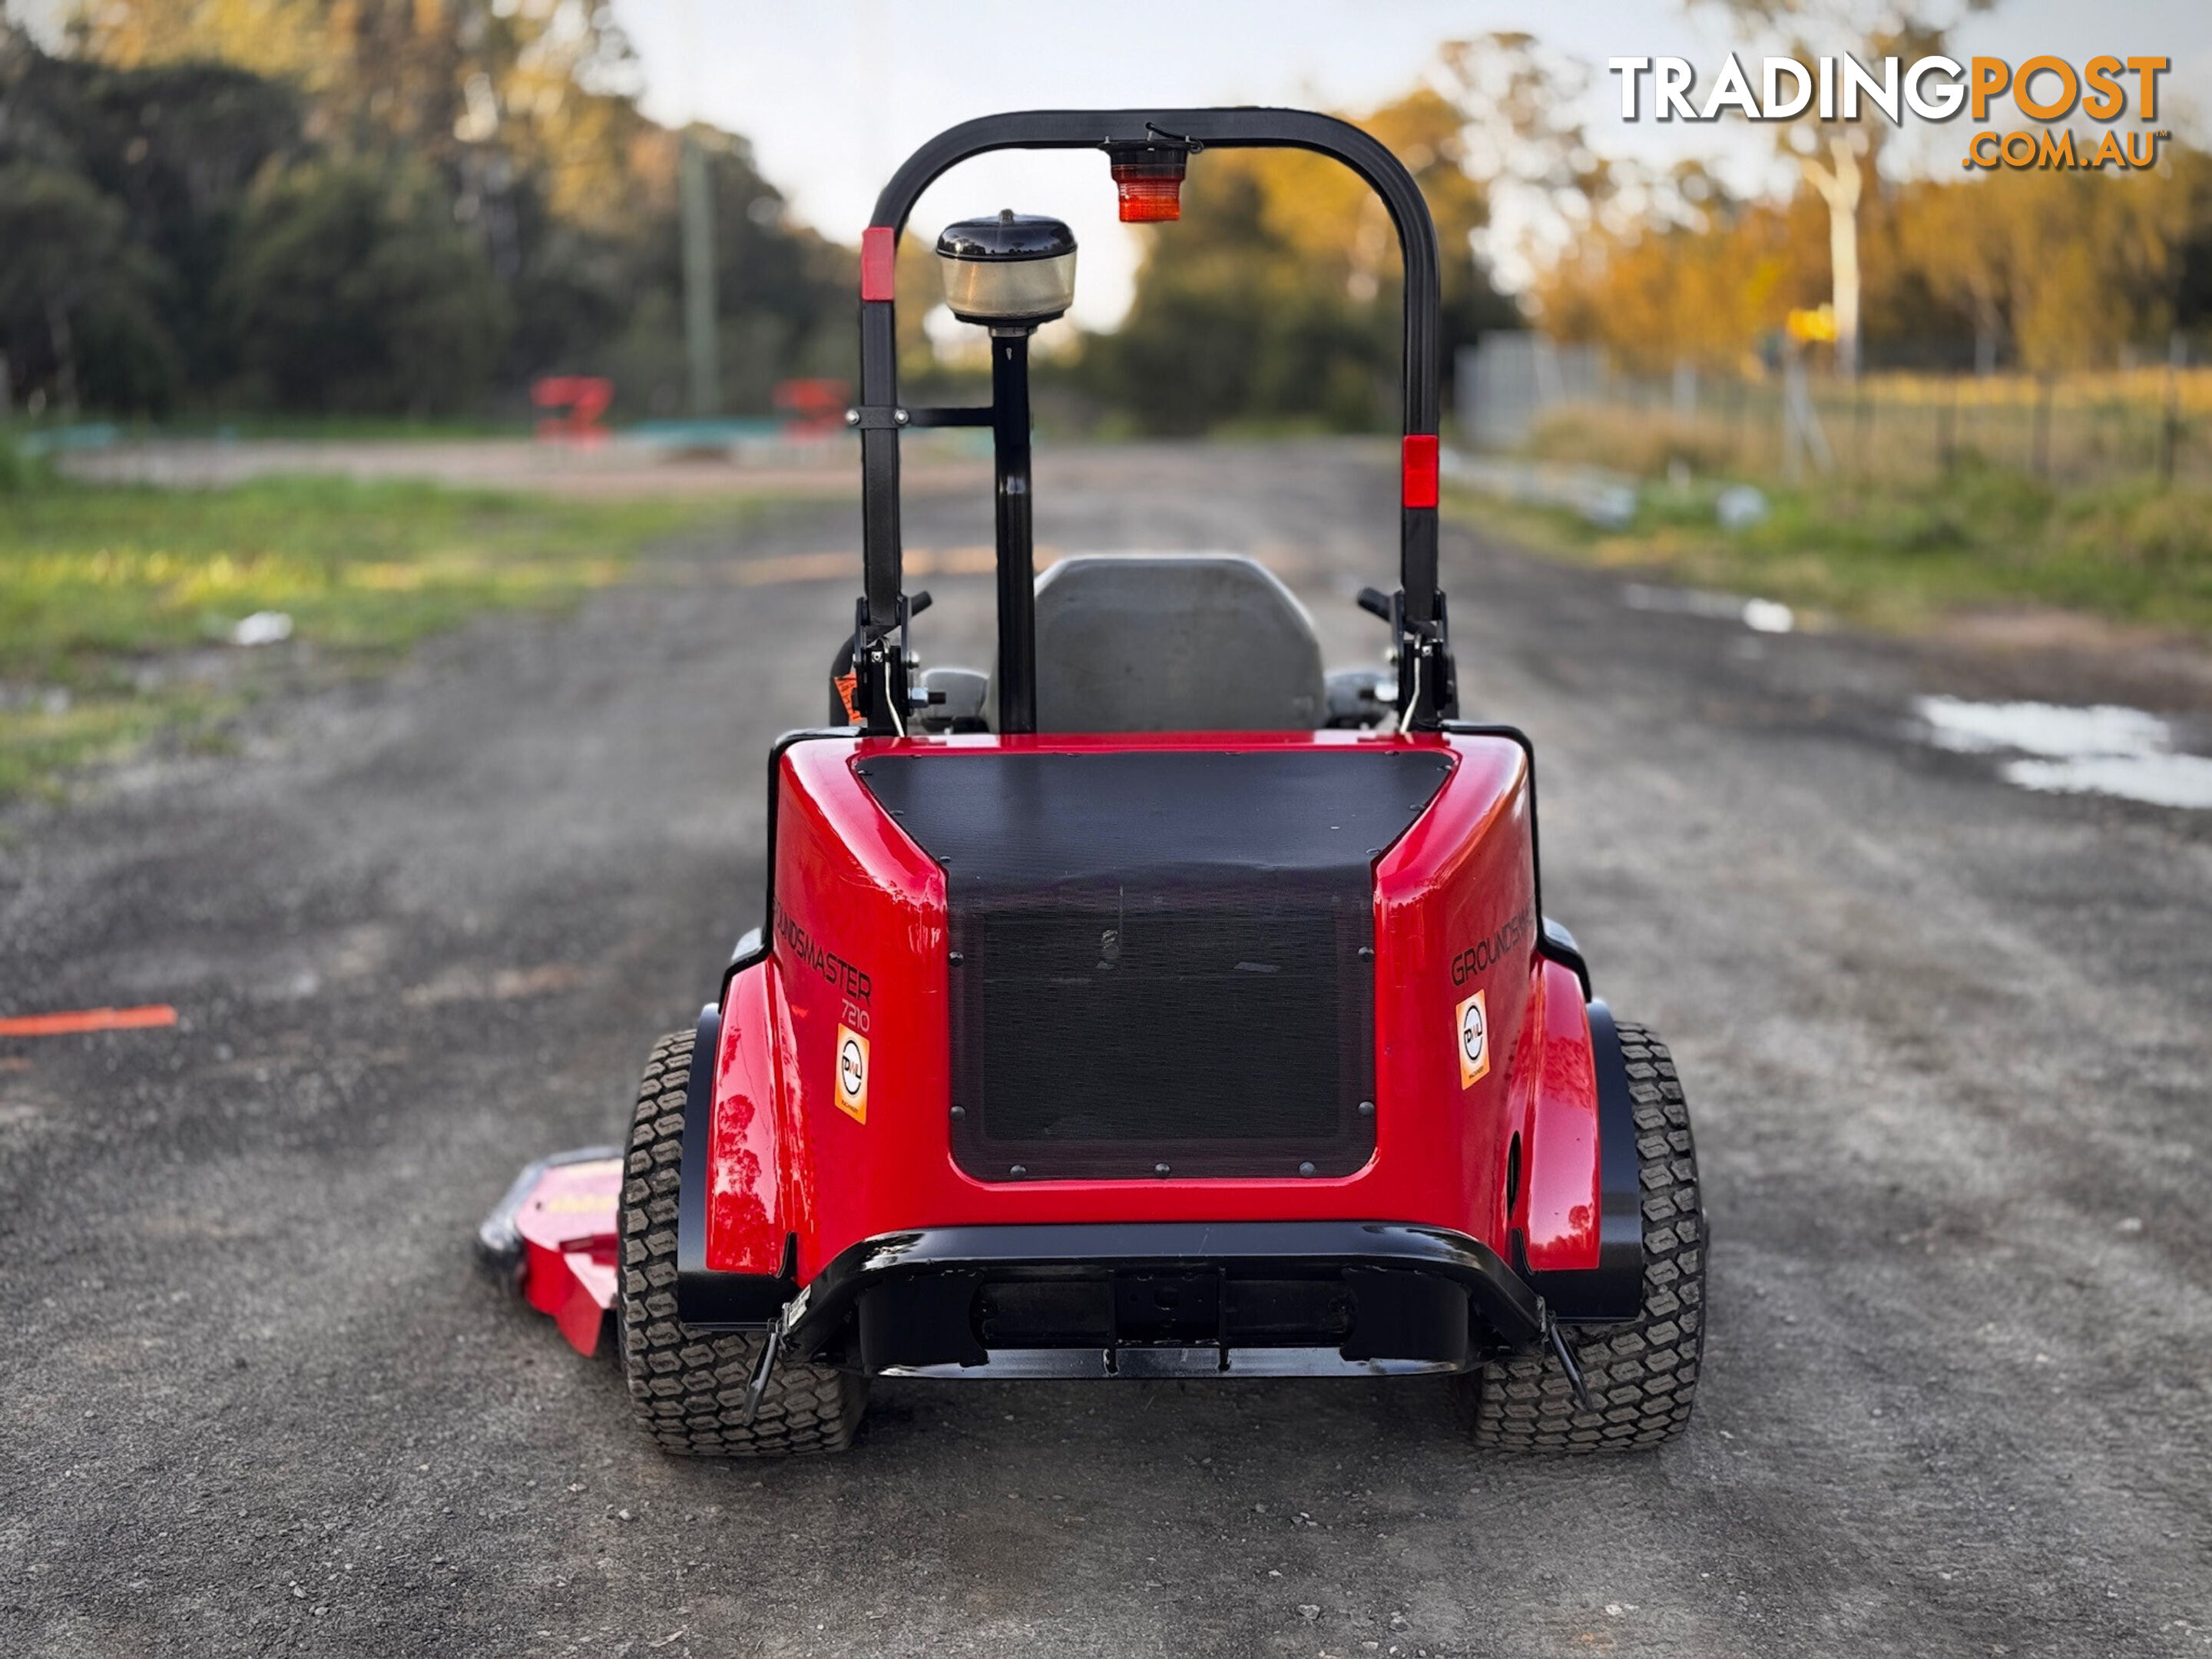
x: 1760, y: 615
x: 2106, y: 749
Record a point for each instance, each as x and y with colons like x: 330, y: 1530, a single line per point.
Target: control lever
x: 1375, y: 603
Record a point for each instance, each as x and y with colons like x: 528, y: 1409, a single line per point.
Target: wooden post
x: 2169, y: 431
x: 2039, y: 451
x: 702, y: 344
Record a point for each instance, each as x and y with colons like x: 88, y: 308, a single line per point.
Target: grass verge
x: 1900, y: 557
x: 103, y: 589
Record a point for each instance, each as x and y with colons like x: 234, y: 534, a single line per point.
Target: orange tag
x: 1474, y: 1022
x: 853, y: 1073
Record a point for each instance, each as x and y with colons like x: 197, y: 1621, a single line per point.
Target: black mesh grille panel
x: 1165, y: 956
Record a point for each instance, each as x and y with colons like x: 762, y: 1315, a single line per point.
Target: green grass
x: 99, y: 584
x: 38, y: 743
x: 1899, y: 556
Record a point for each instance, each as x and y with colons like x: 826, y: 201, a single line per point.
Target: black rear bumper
x: 1147, y: 1299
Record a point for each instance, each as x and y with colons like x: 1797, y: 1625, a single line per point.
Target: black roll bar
x: 1423, y: 663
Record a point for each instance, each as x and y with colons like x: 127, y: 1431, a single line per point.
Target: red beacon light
x: 1148, y: 178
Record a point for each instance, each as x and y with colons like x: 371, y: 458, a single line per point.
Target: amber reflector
x: 1147, y: 198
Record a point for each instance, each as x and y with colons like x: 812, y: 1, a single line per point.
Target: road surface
x: 1947, y: 1043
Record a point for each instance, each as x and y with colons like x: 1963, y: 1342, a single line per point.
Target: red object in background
x: 89, y: 1019
x: 878, y: 262
x: 810, y: 408
x: 785, y: 1160
x: 586, y: 396
x: 1419, y: 483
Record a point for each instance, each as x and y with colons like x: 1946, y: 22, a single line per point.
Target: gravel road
x: 1946, y: 1041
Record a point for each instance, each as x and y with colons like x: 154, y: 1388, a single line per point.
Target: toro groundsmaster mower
x: 1154, y: 1006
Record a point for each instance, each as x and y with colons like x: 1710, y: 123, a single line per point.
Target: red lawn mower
x: 1152, y: 1007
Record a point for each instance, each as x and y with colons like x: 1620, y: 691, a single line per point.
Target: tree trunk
x: 1844, y: 258
x: 1839, y: 185
x: 64, y: 339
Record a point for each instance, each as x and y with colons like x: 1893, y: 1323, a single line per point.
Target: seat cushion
x: 1174, y: 642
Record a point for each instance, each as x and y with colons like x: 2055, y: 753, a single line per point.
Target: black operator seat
x: 1174, y: 642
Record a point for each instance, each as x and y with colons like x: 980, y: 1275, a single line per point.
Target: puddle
x: 2105, y: 749
x: 1760, y: 615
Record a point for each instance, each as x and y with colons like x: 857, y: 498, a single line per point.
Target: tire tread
x: 1642, y: 1376
x: 688, y: 1387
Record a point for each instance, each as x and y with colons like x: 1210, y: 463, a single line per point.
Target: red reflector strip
x: 878, y: 262
x: 89, y: 1019
x: 1418, y: 486
x: 1149, y: 201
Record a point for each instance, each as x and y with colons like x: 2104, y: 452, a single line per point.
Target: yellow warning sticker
x: 853, y: 1073
x: 1474, y: 1021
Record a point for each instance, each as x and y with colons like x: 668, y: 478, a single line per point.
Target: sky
x: 834, y: 94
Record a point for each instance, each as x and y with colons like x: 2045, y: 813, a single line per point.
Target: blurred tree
x: 374, y: 71
x: 2068, y: 266
x: 1700, y: 291
x: 75, y: 310
x: 1521, y: 136
x: 1953, y: 240
x: 172, y: 152
x: 2049, y: 269
x: 2055, y: 267
x: 2192, y: 257
x: 1229, y: 322
x: 1838, y: 157
x: 785, y: 293
x: 1277, y: 297
x: 510, y: 122
x: 352, y: 290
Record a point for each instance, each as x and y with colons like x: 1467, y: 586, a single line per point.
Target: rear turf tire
x: 689, y: 1386
x: 1642, y: 1376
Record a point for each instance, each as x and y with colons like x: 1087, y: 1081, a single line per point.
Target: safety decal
x: 1474, y: 1021
x: 853, y: 1073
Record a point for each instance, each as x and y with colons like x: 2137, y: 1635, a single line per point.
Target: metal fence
x: 1522, y: 393
x: 1508, y: 379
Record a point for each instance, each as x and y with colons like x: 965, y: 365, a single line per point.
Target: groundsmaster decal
x: 1481, y: 958
x: 810, y: 952
x: 856, y: 990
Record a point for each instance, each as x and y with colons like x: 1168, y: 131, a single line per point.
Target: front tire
x: 1642, y: 1376
x: 687, y: 1385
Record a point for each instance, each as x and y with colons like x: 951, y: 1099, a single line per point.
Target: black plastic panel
x: 1166, y: 957
x: 1303, y: 1298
